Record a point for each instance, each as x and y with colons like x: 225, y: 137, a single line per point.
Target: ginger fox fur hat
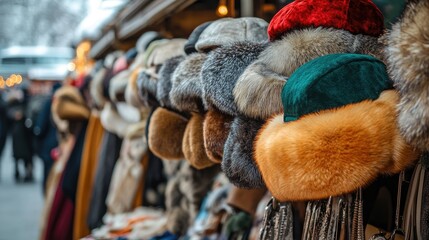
x: 332, y: 152
x: 340, y: 133
x: 407, y: 55
x: 257, y: 91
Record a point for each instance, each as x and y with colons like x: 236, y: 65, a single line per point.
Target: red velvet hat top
x: 355, y: 16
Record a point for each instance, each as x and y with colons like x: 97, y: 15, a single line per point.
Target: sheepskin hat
x: 193, y: 143
x: 186, y: 90
x: 164, y: 84
x: 226, y: 30
x: 407, y: 54
x: 355, y: 16
x: 193, y: 38
x: 215, y: 130
x: 157, y: 53
x: 334, y: 148
x: 165, y: 134
x: 146, y: 39
x: 238, y: 162
x: 257, y: 91
x: 220, y: 72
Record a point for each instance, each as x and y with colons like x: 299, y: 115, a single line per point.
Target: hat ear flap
x: 193, y: 143
x: 216, y: 130
x: 238, y: 154
x: 166, y: 130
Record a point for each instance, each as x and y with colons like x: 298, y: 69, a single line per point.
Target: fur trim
x: 258, y: 92
x: 216, y: 129
x: 147, y: 83
x: 131, y: 90
x: 193, y: 143
x: 221, y: 70
x: 112, y: 121
x: 164, y: 82
x: 117, y: 86
x: 96, y: 88
x: 332, y: 152
x: 276, y: 63
x: 186, y: 92
x: 408, y: 61
x: 237, y: 163
x: 166, y: 130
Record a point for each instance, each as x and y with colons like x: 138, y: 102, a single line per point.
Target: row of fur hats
x: 222, y: 91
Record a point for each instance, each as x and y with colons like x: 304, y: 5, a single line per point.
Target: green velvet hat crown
x: 333, y: 81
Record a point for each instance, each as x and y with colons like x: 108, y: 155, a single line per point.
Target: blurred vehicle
x: 16, y: 62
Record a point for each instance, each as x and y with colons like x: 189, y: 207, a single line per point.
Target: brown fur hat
x: 70, y: 105
x: 257, y: 91
x: 193, y: 143
x: 186, y: 91
x: 408, y: 63
x: 216, y: 129
x: 332, y: 152
x: 166, y: 130
x: 238, y: 162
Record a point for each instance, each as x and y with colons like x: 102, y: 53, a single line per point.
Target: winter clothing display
x: 311, y: 126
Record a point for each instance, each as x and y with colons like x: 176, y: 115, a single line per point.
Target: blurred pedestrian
x: 4, y: 123
x: 46, y: 135
x: 17, y: 99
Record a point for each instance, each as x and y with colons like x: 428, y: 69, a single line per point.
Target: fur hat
x: 237, y: 163
x: 112, y: 121
x: 216, y: 129
x: 257, y: 91
x: 332, y: 125
x: 193, y: 38
x: 166, y: 130
x: 408, y: 60
x: 157, y: 53
x: 332, y: 152
x: 96, y: 88
x: 146, y: 39
x: 333, y: 81
x: 355, y: 16
x: 186, y: 91
x: 193, y: 143
x: 120, y: 65
x: 118, y: 85
x: 131, y: 90
x: 227, y: 30
x: 165, y: 80
x: 69, y: 104
x: 221, y: 70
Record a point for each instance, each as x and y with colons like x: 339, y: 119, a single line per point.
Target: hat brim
x: 332, y: 152
x: 165, y: 137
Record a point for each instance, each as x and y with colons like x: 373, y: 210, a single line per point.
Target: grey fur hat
x: 193, y: 38
x: 407, y: 61
x: 164, y: 83
x: 186, y: 91
x: 238, y: 163
x: 257, y: 92
x: 228, y: 30
x: 221, y: 70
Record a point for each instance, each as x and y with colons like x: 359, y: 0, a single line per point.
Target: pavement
x: 20, y: 203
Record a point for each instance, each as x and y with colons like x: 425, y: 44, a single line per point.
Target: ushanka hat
x: 355, y: 16
x: 407, y: 55
x: 164, y: 84
x: 340, y: 131
x: 193, y: 38
x: 227, y: 30
x: 296, y: 40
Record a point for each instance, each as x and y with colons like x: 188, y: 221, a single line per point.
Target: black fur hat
x: 164, y: 83
x: 238, y: 163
